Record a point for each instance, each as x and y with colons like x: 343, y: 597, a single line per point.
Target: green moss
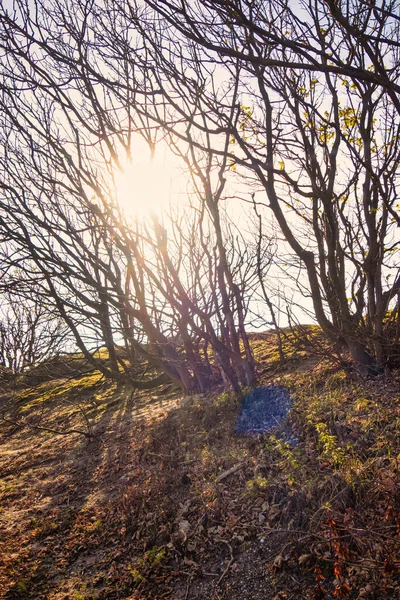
x: 147, y: 564
x: 21, y: 588
x: 257, y: 483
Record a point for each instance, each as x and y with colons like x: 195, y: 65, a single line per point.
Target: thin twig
x: 230, y: 560
x: 230, y: 471
x: 49, y: 429
x: 188, y: 587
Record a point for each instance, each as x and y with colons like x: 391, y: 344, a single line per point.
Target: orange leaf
x: 337, y: 569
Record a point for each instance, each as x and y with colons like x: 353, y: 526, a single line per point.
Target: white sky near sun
x: 150, y: 184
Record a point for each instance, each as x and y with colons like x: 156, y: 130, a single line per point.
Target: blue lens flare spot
x: 262, y: 409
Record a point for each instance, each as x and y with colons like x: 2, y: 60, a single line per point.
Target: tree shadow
x: 55, y: 490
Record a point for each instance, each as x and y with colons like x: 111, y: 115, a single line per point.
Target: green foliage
x: 137, y: 576
x: 148, y: 564
x: 284, y: 452
x: 257, y: 483
x: 330, y: 449
x: 224, y: 399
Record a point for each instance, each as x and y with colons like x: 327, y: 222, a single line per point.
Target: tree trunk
x: 362, y: 358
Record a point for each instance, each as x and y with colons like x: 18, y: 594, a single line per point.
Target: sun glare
x: 147, y: 184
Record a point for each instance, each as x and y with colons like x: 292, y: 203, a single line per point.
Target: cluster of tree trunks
x: 295, y: 110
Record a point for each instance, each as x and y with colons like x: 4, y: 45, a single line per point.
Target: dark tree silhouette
x: 29, y: 331
x: 297, y: 103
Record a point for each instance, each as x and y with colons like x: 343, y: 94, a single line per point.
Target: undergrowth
x: 168, y: 501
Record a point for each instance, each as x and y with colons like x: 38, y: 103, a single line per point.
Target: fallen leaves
x: 304, y: 531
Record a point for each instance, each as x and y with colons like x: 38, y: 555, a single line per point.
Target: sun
x: 147, y: 184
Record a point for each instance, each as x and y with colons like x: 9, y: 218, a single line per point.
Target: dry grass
x: 310, y: 510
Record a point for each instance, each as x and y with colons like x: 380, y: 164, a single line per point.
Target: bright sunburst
x: 147, y: 184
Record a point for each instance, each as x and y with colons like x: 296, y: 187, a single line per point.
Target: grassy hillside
x: 157, y: 497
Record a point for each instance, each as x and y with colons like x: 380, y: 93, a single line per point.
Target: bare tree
x: 112, y: 282
x: 323, y: 150
x: 29, y: 332
x: 356, y: 40
x: 299, y: 104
